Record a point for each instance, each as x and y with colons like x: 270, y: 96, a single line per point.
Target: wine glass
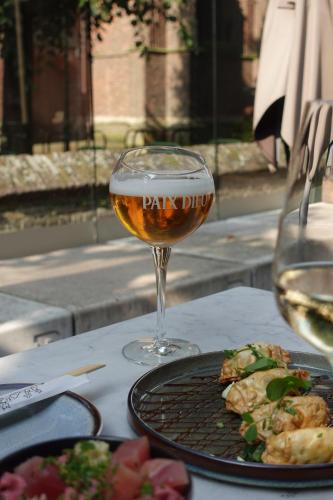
x: 161, y: 194
x: 303, y: 263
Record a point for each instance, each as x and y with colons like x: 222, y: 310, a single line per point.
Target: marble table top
x: 224, y: 320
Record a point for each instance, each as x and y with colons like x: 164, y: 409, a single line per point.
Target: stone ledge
x: 25, y: 324
x: 26, y: 173
x: 199, y: 284
x: 103, y: 284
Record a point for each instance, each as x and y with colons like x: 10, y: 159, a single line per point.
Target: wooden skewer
x: 85, y: 369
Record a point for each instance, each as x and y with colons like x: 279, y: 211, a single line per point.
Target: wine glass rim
x: 194, y: 154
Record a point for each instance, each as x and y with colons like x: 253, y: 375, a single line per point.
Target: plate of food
x: 87, y: 467
x: 256, y: 415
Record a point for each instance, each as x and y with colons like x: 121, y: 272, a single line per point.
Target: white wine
x: 305, y: 299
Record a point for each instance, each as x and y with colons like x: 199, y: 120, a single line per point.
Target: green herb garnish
x: 247, y: 417
x: 220, y: 424
x: 146, y: 489
x: 257, y: 354
x: 251, y: 433
x: 85, y: 467
x: 263, y: 363
x: 290, y: 410
x: 280, y: 387
x: 87, y: 446
x: 49, y: 461
x: 253, y: 452
x: 230, y: 353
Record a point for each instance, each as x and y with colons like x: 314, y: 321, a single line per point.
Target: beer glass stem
x: 161, y: 258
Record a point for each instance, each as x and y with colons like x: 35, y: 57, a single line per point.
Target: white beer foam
x: 162, y: 187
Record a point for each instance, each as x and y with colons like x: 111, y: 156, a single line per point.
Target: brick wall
x: 118, y: 76
x: 177, y: 80
x: 128, y: 88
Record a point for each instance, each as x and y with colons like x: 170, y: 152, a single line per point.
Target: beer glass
x: 161, y: 194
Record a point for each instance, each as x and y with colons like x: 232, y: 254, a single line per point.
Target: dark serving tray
x: 179, y: 404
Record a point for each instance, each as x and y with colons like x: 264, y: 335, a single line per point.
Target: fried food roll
x: 237, y: 361
x: 248, y: 394
x: 302, y: 446
x: 288, y: 414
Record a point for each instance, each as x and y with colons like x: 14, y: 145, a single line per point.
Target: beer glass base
x: 143, y: 352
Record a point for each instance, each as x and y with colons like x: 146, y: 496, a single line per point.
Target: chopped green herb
x: 320, y: 435
x: 257, y: 354
x: 290, y: 410
x: 253, y: 452
x: 87, y: 446
x: 247, y: 417
x: 262, y: 363
x: 230, y: 353
x: 251, y: 433
x: 146, y: 489
x: 49, y: 461
x: 220, y: 424
x: 280, y: 387
x: 81, y: 471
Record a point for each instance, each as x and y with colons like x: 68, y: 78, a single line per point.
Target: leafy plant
x: 54, y: 21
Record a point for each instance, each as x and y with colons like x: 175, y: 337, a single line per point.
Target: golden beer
x: 162, y: 219
x: 161, y: 194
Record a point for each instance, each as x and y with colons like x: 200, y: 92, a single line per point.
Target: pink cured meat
x: 11, y: 486
x: 167, y: 493
x: 41, y: 479
x: 71, y: 494
x: 124, y: 482
x: 132, y: 453
x: 30, y: 468
x: 129, y: 469
x: 165, y: 472
x: 163, y: 493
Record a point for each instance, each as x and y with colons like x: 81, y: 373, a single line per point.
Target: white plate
x: 62, y: 416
